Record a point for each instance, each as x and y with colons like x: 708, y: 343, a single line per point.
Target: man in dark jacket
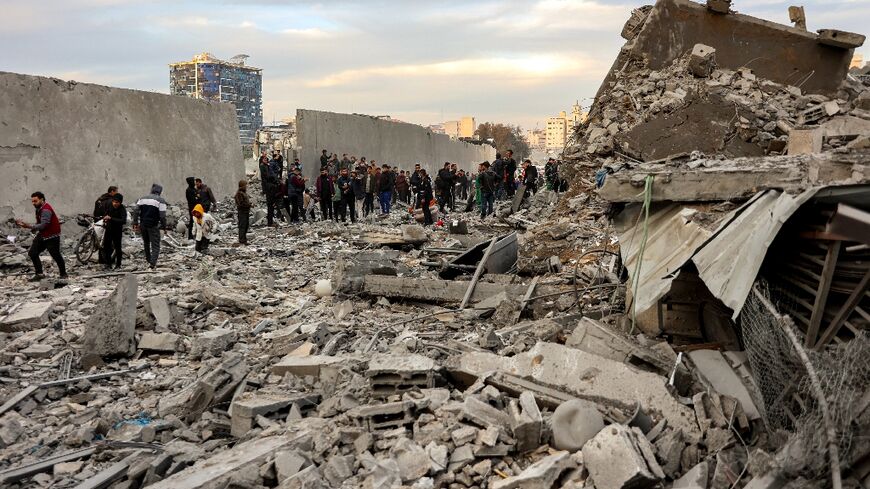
x: 243, y: 208
x: 402, y: 187
x: 345, y: 185
x: 270, y: 187
x: 357, y: 184
x: 424, y: 196
x: 47, y: 229
x: 510, y: 170
x: 324, y: 159
x: 386, y: 184
x: 149, y: 217
x: 445, y: 184
x: 104, y: 202
x: 530, y: 178
x: 323, y: 186
x: 205, y: 197
x: 114, y: 221
x: 296, y: 194
x: 487, y: 181
x: 190, y: 195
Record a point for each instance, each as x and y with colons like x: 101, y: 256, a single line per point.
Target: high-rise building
x: 209, y: 78
x: 557, y: 131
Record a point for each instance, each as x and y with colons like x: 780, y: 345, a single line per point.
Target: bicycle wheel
x: 86, y: 245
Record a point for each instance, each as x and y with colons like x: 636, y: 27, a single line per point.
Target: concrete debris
x: 540, y: 475
x: 110, y: 330
x: 618, y: 457
x: 703, y: 60
x: 25, y: 316
x: 574, y: 423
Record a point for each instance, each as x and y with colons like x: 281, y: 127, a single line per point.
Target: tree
x: 504, y: 137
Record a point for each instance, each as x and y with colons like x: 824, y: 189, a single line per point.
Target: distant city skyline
x: 426, y: 63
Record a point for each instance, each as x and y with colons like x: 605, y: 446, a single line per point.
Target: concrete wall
x: 72, y: 140
x: 396, y: 143
x: 774, y: 51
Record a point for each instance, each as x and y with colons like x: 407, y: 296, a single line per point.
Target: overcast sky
x: 419, y: 61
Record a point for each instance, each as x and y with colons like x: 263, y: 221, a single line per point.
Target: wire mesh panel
x: 793, y: 395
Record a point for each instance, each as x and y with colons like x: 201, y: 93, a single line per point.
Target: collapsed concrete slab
x: 621, y: 458
x: 216, y: 470
x: 441, y: 291
x: 110, y: 330
x: 585, y: 376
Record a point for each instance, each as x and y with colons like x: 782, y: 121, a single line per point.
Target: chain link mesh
x: 790, y: 399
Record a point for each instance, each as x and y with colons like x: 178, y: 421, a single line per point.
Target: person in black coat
x: 114, y: 220
x: 424, y: 196
x: 190, y: 195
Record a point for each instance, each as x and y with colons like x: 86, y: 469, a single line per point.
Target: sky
x: 511, y: 61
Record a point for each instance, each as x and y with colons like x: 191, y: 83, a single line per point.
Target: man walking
x: 323, y: 186
x: 101, y: 207
x: 47, y: 229
x: 114, y: 221
x: 149, y: 218
x: 243, y: 209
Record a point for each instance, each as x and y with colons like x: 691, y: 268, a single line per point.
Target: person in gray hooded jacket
x: 149, y: 217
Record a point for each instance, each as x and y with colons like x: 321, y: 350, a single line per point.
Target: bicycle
x: 91, y: 240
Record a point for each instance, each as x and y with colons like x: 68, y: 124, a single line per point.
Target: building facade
x: 463, y: 128
x: 557, y: 132
x: 209, y: 78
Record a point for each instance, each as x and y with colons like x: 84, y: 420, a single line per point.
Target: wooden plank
x: 845, y: 311
x: 477, y: 273
x: 822, y: 294
x: 526, y: 298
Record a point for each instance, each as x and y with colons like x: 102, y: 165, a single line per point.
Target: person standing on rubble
x: 445, y: 184
x: 530, y: 178
x: 323, y: 187
x: 47, y: 229
x: 425, y: 196
x: 461, y: 187
x: 510, y: 173
x: 497, y: 168
x: 114, y: 220
x: 149, y: 217
x: 101, y: 207
x: 243, y: 209
x: 296, y: 194
x: 386, y: 184
x: 190, y: 195
x: 370, y: 186
x: 204, y: 227
x: 204, y: 196
x: 356, y: 183
x: 345, y: 185
x: 276, y: 165
x: 488, y: 184
x: 551, y: 174
x: 402, y: 187
x: 270, y: 187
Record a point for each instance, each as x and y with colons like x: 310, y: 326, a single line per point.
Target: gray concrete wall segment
x: 72, y: 140
x: 396, y: 143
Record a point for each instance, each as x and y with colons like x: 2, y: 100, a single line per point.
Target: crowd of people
x: 346, y: 188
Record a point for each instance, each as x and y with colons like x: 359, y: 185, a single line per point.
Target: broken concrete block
x: 249, y: 405
x: 110, y: 330
x: 412, y: 459
x: 463, y: 435
x: 384, y: 416
x: 574, y: 423
x: 38, y: 351
x: 540, y: 475
x: 337, y: 469
x: 413, y: 233
x: 669, y: 450
x: 526, y: 422
x: 158, y: 307
x: 395, y: 374
x: 840, y: 39
x: 460, y: 457
x: 702, y: 60
x: 302, y: 366
x: 437, y: 457
x: 151, y: 341
x: 25, y: 317
x: 11, y: 428
x: 226, y: 298
x: 696, y: 478
x: 212, y: 343
x: 483, y: 415
x: 617, y: 457
x: 64, y: 469
x: 719, y: 6
x: 805, y: 141
x: 307, y: 478
x: 352, y: 268
x: 715, y: 371
x: 217, y: 385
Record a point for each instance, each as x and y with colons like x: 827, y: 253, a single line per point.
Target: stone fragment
x: 526, y: 422
x: 484, y: 415
x: 805, y: 141
x: 437, y: 457
x: 165, y: 342
x: 307, y: 478
x: 696, y: 478
x: 702, y: 60
x: 158, y: 307
x: 840, y: 39
x: 540, y: 475
x: 573, y: 423
x: 460, y: 457
x: 25, y: 317
x: 669, y: 451
x: 38, y: 351
x: 463, y: 435
x: 212, y: 343
x: 413, y: 233
x: 413, y: 460
x: 226, y: 298
x: 11, y: 428
x: 338, y: 469
x: 719, y: 6
x: 64, y: 469
x: 110, y: 330
x: 617, y: 458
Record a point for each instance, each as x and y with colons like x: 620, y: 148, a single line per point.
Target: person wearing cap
x: 114, y: 221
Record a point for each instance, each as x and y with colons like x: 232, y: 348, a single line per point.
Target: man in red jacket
x: 47, y: 229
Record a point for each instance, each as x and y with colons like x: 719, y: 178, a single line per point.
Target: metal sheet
x: 671, y: 241
x: 729, y: 262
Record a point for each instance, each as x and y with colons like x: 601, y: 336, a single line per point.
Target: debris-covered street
x: 689, y: 311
